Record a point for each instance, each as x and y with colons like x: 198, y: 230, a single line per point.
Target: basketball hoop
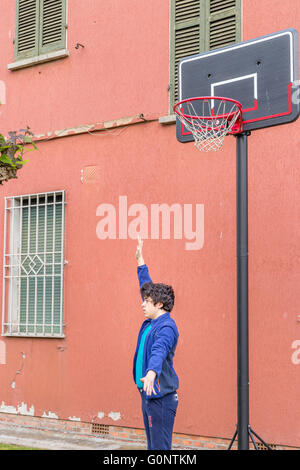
x: 210, y: 119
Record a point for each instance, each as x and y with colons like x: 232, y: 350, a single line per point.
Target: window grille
x: 33, y: 265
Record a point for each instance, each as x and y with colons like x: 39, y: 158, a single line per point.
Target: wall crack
x: 19, y: 371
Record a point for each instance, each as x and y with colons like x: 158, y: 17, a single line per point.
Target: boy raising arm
x: 153, y: 370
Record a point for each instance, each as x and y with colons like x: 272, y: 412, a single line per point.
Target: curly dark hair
x: 159, y: 293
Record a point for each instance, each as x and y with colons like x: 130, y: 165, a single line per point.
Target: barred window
x: 33, y: 265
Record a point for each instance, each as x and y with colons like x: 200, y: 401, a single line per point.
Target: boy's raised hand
x: 139, y: 252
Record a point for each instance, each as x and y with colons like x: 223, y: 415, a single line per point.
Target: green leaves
x: 5, y: 159
x: 13, y: 148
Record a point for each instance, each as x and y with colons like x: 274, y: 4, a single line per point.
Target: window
x: 33, y: 265
x: 40, y: 30
x: 198, y: 26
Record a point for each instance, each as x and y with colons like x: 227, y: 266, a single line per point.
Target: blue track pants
x: 159, y: 415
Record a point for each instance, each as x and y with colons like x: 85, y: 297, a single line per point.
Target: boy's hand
x: 139, y: 254
x: 148, y: 382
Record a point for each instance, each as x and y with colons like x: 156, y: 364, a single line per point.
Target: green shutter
x: 186, y: 36
x: 40, y: 288
x: 40, y: 27
x: 52, y: 31
x: 27, y: 23
x: 198, y: 26
x: 223, y: 23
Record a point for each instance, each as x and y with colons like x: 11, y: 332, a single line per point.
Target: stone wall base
x: 82, y: 429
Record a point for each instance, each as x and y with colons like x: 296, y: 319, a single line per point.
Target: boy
x: 153, y: 370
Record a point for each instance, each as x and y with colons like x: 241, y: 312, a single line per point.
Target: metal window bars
x: 33, y: 265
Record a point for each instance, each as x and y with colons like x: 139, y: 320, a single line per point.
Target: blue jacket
x: 159, y: 347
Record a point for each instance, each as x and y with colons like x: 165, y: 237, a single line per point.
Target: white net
x: 209, y: 120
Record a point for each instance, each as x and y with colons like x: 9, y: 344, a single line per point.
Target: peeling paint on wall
x: 73, y: 130
x: 73, y: 418
x: 98, y: 126
x: 49, y: 415
x: 19, y: 371
x: 114, y: 415
x: 100, y: 415
x: 21, y: 409
x: 7, y: 408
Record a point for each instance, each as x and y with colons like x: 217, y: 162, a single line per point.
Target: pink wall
x: 112, y: 77
x: 123, y: 71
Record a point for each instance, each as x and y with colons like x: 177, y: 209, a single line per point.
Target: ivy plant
x: 12, y: 149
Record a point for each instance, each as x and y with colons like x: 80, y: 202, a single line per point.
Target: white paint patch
x: 7, y: 408
x: 49, y: 415
x: 39, y: 136
x: 117, y: 122
x: 21, y: 409
x: 73, y: 418
x: 100, y: 415
x: 13, y: 384
x: 75, y: 130
x: 114, y: 415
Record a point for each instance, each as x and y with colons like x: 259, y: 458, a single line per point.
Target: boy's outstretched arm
x: 142, y: 270
x: 139, y: 252
x: 143, y: 275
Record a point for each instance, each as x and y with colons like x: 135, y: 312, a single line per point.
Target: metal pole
x: 242, y: 290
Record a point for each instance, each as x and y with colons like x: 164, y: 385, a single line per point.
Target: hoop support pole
x: 243, y: 429
x: 242, y: 289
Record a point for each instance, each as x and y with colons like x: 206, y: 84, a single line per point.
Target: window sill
x: 20, y: 64
x: 166, y: 120
x: 32, y: 335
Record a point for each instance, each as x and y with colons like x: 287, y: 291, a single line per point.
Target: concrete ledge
x: 169, y: 119
x: 20, y: 64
